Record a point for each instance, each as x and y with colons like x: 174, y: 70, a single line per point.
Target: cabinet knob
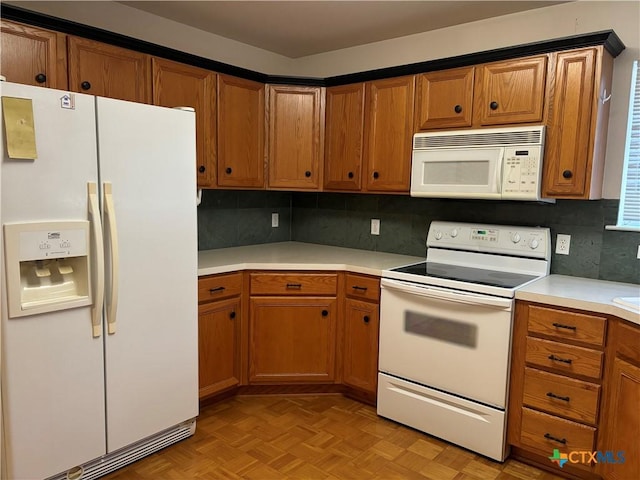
x: 85, y: 85
x: 232, y: 315
x: 201, y: 168
x: 567, y: 174
x: 307, y: 174
x: 41, y: 78
x: 325, y: 313
x: 366, y: 319
x: 376, y: 175
x: 228, y: 170
x: 350, y: 174
x: 457, y: 109
x: 493, y: 105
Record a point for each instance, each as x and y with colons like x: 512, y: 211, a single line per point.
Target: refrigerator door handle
x: 110, y: 215
x: 96, y: 225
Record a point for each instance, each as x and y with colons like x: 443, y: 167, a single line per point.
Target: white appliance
x: 494, y: 164
x: 445, y: 331
x: 99, y: 275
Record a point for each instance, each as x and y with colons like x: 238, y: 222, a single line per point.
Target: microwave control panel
x: 522, y: 172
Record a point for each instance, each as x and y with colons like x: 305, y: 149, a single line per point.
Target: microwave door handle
x: 448, y: 295
x: 499, y: 167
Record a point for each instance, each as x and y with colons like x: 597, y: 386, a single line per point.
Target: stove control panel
x: 534, y: 242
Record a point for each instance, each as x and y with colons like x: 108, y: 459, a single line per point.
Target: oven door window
x: 457, y: 333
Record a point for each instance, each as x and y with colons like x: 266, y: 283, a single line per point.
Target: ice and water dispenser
x: 48, y: 266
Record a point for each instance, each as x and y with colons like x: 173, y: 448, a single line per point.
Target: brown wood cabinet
x: 389, y: 134
x: 33, y: 56
x: 344, y: 130
x: 292, y: 327
x: 241, y: 155
x: 179, y: 85
x: 511, y: 91
x: 295, y: 119
x: 620, y: 441
x: 107, y: 71
x: 577, y: 126
x: 219, y: 327
x: 556, y: 383
x: 444, y: 99
x: 361, y: 329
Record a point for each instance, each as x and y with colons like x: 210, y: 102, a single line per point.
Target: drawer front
x: 294, y: 284
x: 628, y: 342
x: 215, y: 287
x: 565, y: 325
x: 362, y: 287
x: 544, y: 433
x: 561, y: 395
x: 567, y: 359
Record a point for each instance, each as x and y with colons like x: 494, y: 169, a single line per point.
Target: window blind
x: 629, y: 212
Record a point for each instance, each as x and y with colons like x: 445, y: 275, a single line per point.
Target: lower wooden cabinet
x: 360, y: 358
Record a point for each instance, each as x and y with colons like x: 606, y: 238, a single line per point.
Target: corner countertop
x: 298, y: 256
x: 584, y: 294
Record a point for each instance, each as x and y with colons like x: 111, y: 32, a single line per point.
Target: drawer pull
x: 553, y: 395
x: 357, y: 287
x: 567, y: 327
x: 548, y: 436
x: 294, y: 285
x: 558, y: 359
x: 216, y: 290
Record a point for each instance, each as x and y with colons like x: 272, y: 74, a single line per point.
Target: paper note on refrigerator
x: 19, y: 128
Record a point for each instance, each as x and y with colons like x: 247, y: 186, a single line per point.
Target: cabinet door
x: 444, y: 99
x: 567, y: 162
x: 107, y: 71
x: 622, y: 424
x: 292, y: 340
x: 510, y: 92
x: 343, y: 137
x: 389, y: 134
x: 32, y: 56
x: 361, y: 345
x: 179, y: 85
x: 241, y: 156
x: 296, y: 124
x: 218, y: 346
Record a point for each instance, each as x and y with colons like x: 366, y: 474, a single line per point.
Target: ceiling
x: 300, y: 28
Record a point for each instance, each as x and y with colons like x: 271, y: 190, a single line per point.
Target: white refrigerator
x: 99, y: 283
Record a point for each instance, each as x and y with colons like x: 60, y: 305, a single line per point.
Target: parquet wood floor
x: 313, y: 437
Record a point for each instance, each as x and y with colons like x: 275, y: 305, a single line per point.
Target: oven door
x: 453, y: 341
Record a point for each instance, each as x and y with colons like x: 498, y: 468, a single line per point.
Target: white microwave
x: 492, y: 163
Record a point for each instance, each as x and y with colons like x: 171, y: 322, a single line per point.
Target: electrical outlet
x: 375, y: 226
x: 563, y: 242
x: 275, y: 220
x: 638, y: 254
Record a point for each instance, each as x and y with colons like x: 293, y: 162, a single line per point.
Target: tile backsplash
x: 231, y: 218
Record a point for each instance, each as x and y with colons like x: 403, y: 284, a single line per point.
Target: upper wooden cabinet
x: 107, y: 71
x: 32, y: 56
x: 578, y: 121
x: 444, y: 99
x: 388, y: 134
x: 241, y: 155
x: 344, y: 129
x: 179, y: 85
x: 295, y: 124
x: 510, y: 92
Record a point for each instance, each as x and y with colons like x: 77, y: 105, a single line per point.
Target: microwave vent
x: 479, y: 138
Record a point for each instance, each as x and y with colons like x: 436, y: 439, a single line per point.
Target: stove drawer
x: 561, y: 395
x: 564, y: 358
x: 544, y: 433
x: 566, y: 325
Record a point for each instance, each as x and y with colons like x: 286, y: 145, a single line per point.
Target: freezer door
x: 147, y: 158
x: 52, y: 366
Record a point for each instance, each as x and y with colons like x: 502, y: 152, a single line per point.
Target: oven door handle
x: 449, y: 295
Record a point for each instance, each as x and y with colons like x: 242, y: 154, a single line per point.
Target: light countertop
x: 583, y: 293
x: 298, y: 256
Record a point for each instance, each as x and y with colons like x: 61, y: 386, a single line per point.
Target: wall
x: 231, y: 218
